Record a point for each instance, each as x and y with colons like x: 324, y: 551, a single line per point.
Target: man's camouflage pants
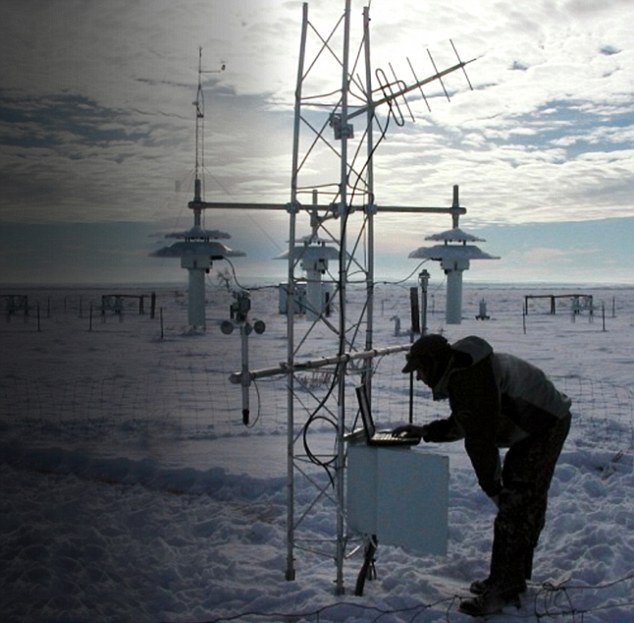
x: 526, y: 474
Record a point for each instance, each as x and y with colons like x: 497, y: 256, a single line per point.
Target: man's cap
x: 426, y: 347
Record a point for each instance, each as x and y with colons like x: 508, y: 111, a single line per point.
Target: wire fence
x: 199, y: 401
x: 193, y: 398
x: 120, y: 377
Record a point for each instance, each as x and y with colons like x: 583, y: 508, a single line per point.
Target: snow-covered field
x: 131, y: 490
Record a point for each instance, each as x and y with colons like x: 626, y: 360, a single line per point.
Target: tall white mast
x: 198, y: 247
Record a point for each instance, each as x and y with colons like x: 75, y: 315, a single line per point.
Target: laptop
x: 369, y: 433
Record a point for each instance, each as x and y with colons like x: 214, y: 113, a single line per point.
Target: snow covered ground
x: 131, y: 490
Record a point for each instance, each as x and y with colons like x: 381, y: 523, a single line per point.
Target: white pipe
x: 196, y: 302
x: 453, y: 312
x: 453, y: 269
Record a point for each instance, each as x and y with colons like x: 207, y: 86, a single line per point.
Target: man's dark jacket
x: 496, y: 400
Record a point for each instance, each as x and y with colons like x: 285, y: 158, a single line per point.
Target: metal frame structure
x: 351, y: 204
x: 339, y: 207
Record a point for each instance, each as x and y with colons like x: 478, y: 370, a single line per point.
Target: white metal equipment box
x: 399, y: 495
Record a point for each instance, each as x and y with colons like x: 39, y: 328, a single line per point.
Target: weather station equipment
x: 240, y: 315
x: 454, y: 254
x: 313, y: 254
x: 198, y: 247
x: 336, y: 160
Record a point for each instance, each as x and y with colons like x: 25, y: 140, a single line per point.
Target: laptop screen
x: 364, y: 406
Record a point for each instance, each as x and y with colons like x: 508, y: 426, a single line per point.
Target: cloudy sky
x: 97, y: 132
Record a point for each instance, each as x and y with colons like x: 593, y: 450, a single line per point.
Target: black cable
x: 420, y: 608
x: 313, y: 418
x: 235, y: 278
x: 405, y: 279
x: 280, y: 616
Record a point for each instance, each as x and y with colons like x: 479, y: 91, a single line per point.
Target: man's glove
x: 413, y: 430
x: 424, y: 433
x: 437, y: 431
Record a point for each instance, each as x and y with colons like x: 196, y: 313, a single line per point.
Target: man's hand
x: 411, y: 430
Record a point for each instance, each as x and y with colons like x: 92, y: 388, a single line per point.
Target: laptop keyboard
x: 387, y: 435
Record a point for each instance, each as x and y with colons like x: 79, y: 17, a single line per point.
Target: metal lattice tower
x: 332, y: 191
x: 340, y: 204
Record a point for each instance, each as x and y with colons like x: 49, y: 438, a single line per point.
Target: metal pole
x: 455, y: 207
x: 367, y: 378
x: 343, y: 262
x: 236, y: 377
x: 290, y: 312
x: 244, y: 338
x: 424, y: 280
x: 225, y: 205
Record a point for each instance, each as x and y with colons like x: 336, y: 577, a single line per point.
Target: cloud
x: 97, y: 122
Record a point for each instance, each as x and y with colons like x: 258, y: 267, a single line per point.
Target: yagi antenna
x: 395, y: 89
x: 400, y: 82
x: 431, y: 58
x: 390, y: 96
x: 462, y: 64
x: 420, y: 87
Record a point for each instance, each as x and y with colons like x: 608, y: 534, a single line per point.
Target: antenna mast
x: 197, y: 247
x: 349, y: 199
x: 200, y: 119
